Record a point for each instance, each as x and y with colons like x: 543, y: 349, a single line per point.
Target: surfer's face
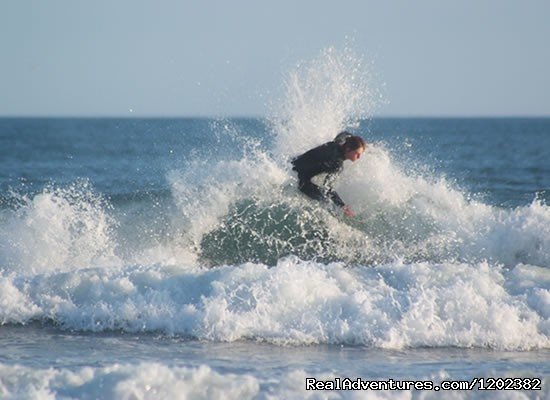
x: 354, y: 155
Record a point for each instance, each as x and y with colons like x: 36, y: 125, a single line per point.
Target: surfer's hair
x: 354, y: 143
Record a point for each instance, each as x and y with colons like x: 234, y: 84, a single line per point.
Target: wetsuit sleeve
x: 311, y: 190
x: 336, y: 199
x: 316, y: 193
x: 332, y: 194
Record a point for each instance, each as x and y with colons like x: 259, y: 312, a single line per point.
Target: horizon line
x: 253, y: 116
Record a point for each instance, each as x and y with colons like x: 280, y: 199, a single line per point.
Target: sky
x: 229, y: 58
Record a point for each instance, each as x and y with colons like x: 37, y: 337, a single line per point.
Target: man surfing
x: 328, y: 158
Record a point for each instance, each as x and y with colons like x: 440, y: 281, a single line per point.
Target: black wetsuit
x: 327, y: 158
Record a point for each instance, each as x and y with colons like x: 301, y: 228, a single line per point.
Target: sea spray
x: 58, y: 229
x: 331, y: 93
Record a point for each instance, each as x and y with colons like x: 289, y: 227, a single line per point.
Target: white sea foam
x: 145, y: 381
x: 297, y: 302
x: 417, y: 215
x: 157, y: 381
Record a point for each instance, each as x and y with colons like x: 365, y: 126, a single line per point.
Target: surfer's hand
x: 348, y: 212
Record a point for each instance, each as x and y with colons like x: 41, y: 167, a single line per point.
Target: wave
x: 149, y: 380
x: 400, y: 217
x: 234, y: 211
x: 123, y: 381
x: 56, y: 228
x: 232, y: 251
x: 297, y: 302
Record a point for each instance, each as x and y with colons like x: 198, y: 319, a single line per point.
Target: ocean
x: 175, y: 258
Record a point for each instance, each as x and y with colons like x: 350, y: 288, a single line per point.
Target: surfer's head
x: 353, y: 148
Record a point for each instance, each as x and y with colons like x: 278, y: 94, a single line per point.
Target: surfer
x: 328, y: 158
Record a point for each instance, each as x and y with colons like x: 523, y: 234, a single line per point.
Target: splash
x: 331, y: 93
x: 58, y: 229
x: 296, y: 302
x: 247, y: 208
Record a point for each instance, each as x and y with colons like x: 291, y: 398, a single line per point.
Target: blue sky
x: 212, y: 58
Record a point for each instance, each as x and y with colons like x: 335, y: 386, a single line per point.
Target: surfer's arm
x: 311, y: 190
x: 321, y: 194
x: 332, y: 194
x: 335, y: 198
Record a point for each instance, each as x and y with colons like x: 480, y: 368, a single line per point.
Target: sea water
x: 175, y: 258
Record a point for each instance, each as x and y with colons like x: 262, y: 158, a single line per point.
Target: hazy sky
x: 212, y: 58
